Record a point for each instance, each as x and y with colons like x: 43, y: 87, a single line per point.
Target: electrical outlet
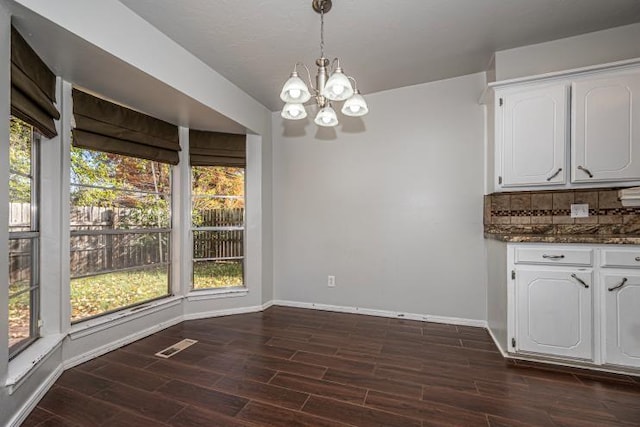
x: 331, y: 281
x: 579, y: 210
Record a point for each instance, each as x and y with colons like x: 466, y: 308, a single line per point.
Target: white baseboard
x: 226, y: 312
x: 33, y: 400
x: 85, y: 357
x: 497, y: 343
x: 384, y: 313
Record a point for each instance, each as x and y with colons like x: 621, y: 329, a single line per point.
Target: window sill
x: 25, y: 363
x: 206, y: 294
x: 98, y: 324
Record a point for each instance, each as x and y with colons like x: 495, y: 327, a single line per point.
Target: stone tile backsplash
x: 549, y: 213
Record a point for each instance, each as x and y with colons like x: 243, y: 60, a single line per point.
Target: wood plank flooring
x: 296, y: 367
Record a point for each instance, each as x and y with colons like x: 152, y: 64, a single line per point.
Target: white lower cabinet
x: 577, y: 303
x: 554, y: 312
x: 622, y: 318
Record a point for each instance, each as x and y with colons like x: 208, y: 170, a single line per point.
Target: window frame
x: 34, y: 236
x: 137, y: 231
x: 193, y: 230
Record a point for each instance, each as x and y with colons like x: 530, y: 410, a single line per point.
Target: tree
x: 211, y: 181
x: 20, y: 140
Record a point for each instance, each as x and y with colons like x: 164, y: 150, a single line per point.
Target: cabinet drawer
x: 554, y: 256
x: 620, y: 258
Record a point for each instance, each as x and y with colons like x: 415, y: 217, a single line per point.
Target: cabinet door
x: 606, y: 129
x: 622, y: 318
x: 554, y: 312
x: 533, y: 127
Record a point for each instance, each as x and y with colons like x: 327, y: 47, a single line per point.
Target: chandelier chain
x: 322, y: 30
x: 332, y: 84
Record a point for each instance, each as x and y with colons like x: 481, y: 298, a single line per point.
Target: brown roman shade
x: 104, y: 126
x: 217, y: 149
x: 33, y: 87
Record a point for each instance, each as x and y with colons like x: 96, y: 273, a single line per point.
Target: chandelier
x: 332, y: 85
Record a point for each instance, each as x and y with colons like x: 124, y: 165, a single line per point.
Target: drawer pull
x: 585, y: 170
x: 619, y: 285
x: 580, y: 281
x: 555, y: 174
x: 545, y: 256
x: 638, y: 258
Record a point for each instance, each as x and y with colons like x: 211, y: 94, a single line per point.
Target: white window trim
x: 24, y: 364
x: 107, y: 321
x: 216, y: 293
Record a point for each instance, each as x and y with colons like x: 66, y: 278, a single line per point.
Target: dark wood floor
x: 294, y: 367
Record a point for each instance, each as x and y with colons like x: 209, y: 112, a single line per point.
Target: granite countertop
x: 566, y: 238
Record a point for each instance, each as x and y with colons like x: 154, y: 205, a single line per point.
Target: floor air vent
x: 176, y: 348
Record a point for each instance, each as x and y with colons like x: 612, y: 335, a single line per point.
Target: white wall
x: 391, y: 204
x: 599, y: 47
x: 497, y: 291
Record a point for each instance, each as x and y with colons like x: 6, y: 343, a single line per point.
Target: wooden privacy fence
x: 96, y: 253
x: 218, y: 244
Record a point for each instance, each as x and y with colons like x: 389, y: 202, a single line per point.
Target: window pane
x: 218, y: 244
x: 20, y: 265
x: 221, y: 217
x: 122, y: 211
x: 102, y: 293
x: 21, y: 295
x: 97, y: 169
x: 23, y: 252
x: 95, y: 254
x: 19, y: 318
x: 20, y: 146
x: 218, y: 258
x: 218, y: 226
x: 114, y: 271
x: 217, y: 180
x: 115, y: 263
x: 217, y: 274
x: 19, y: 203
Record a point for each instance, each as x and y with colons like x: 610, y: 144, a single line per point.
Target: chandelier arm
x: 308, y: 74
x: 333, y: 62
x: 355, y: 83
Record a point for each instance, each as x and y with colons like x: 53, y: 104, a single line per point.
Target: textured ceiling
x: 385, y: 44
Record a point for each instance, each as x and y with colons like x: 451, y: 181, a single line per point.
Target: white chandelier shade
x: 295, y: 90
x: 326, y: 117
x: 355, y: 106
x: 292, y: 111
x: 338, y: 87
x: 332, y: 85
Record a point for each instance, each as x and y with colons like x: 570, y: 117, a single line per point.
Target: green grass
x: 18, y: 318
x: 95, y: 295
x: 98, y: 294
x: 221, y: 274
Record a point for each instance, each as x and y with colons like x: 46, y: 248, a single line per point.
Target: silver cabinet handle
x: 619, y: 285
x: 585, y: 170
x: 555, y: 174
x: 580, y: 281
x: 545, y: 256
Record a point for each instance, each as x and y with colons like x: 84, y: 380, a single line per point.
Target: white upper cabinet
x: 606, y: 129
x: 532, y: 126
x: 568, y: 130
